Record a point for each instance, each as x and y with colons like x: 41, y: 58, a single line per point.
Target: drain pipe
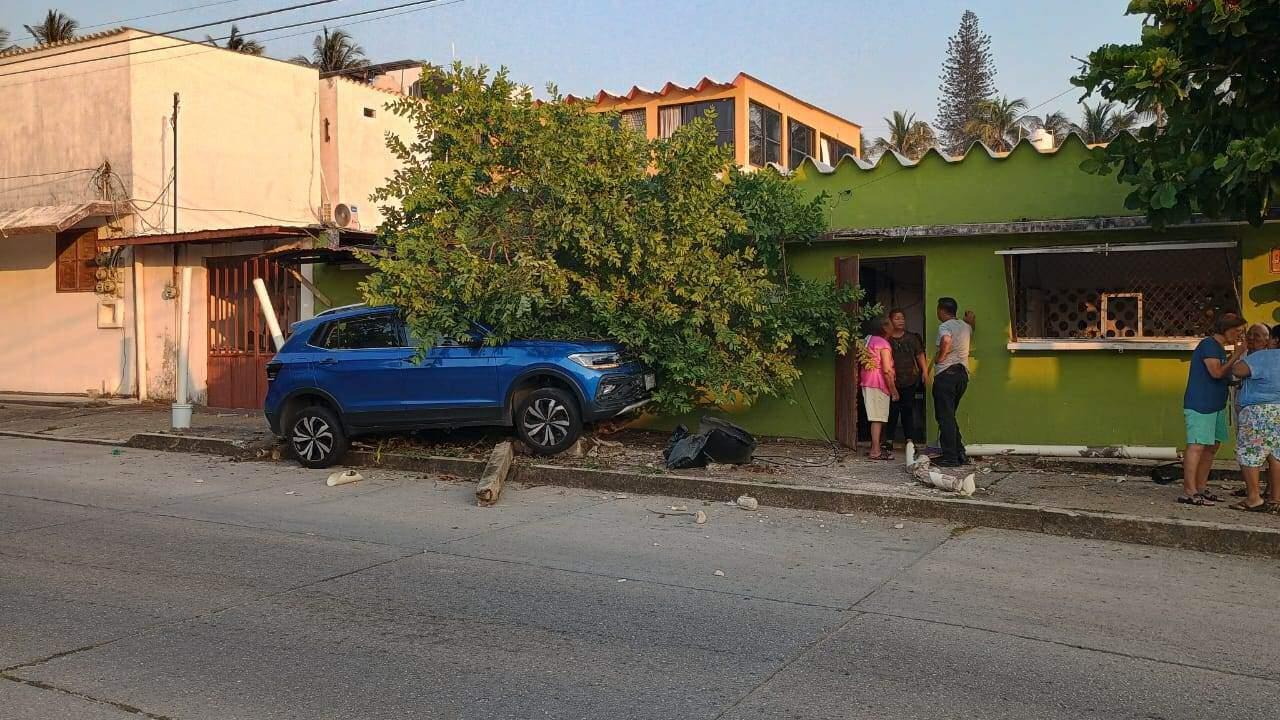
x: 1114, y: 452
x: 269, y: 312
x: 139, y: 327
x: 181, y: 413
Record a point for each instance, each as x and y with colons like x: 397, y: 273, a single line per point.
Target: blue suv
x: 355, y: 370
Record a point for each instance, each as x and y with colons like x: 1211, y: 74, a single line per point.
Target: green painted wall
x: 340, y: 286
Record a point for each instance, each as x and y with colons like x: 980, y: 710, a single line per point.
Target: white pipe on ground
x: 139, y: 327
x: 1114, y: 452
x: 181, y: 415
x: 269, y: 313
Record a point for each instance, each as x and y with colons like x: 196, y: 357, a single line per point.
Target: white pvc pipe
x: 181, y: 413
x: 1124, y: 452
x: 139, y: 327
x: 269, y: 313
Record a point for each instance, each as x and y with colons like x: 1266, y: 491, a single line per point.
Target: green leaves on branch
x: 1207, y: 70
x: 546, y: 220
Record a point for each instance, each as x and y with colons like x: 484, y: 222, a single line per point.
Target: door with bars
x: 239, y: 341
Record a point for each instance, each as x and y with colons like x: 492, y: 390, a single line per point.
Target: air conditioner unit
x: 346, y: 216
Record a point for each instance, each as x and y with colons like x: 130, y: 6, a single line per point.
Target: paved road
x: 171, y: 586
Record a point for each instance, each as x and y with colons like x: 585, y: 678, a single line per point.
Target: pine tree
x: 968, y: 78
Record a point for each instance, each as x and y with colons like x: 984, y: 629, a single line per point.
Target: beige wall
x: 50, y: 341
x: 59, y: 119
x: 356, y: 159
x: 247, y: 137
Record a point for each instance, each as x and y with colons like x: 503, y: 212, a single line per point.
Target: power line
x: 145, y: 17
x: 203, y: 49
x: 47, y: 174
x: 82, y: 47
x: 182, y: 43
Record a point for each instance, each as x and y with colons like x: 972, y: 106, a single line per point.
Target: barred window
x: 1113, y: 294
x: 632, y: 120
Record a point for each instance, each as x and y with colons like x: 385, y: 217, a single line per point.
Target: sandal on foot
x: 1196, y: 499
x: 1207, y: 495
x: 1242, y: 505
x: 1240, y: 493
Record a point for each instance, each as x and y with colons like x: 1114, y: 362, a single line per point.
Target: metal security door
x: 239, y: 341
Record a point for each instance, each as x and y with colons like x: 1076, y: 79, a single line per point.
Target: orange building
x: 762, y: 123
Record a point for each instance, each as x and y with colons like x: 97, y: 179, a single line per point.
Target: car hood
x: 573, y: 346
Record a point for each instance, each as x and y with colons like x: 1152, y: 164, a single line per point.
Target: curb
x: 1164, y: 532
x: 63, y: 438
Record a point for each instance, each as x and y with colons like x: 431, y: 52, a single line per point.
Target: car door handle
x: 328, y: 361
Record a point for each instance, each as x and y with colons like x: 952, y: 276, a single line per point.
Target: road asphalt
x: 139, y: 584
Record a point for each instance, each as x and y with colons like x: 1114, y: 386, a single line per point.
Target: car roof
x: 348, y: 311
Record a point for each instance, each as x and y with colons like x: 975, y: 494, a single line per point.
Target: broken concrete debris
x: 920, y: 469
x: 342, y: 478
x: 718, y: 573
x: 700, y: 518
x: 495, y: 474
x: 746, y: 502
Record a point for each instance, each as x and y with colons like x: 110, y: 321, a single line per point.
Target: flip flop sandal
x: 1260, y: 507
x: 1196, y: 499
x: 1210, y: 496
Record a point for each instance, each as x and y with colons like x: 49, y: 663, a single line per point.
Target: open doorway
x: 898, y: 283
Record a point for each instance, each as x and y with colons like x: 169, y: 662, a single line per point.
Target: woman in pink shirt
x: 879, y: 387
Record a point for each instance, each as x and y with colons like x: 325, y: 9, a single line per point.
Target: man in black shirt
x: 911, y: 367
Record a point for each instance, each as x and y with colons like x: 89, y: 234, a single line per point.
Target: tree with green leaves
x: 908, y: 136
x: 541, y: 219
x: 56, y: 27
x: 1000, y: 123
x: 333, y: 50
x: 238, y: 43
x: 1208, y: 71
x: 1103, y: 121
x: 968, y: 79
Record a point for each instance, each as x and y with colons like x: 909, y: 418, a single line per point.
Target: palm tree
x: 1055, y: 123
x: 56, y: 27
x: 237, y: 43
x: 908, y: 137
x: 1102, y: 122
x: 999, y: 123
x: 4, y: 41
x: 333, y: 51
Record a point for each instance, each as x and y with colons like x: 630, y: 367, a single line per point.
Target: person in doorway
x: 1204, y: 406
x: 1258, y: 431
x: 879, y: 387
x: 910, y: 367
x: 951, y: 379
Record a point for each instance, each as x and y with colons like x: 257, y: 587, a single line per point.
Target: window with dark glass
x: 379, y: 331
x: 632, y: 120
x: 832, y: 150
x: 673, y: 117
x: 765, y: 131
x: 801, y: 141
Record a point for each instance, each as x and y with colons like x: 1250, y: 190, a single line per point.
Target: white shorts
x: 876, y: 402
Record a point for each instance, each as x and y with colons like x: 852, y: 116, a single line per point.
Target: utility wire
x: 47, y: 174
x: 145, y: 17
x: 183, y: 43
x: 203, y: 48
x: 82, y: 47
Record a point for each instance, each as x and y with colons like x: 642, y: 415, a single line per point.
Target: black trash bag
x: 727, y: 443
x: 685, y: 450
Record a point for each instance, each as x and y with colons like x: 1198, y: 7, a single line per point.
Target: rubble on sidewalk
x: 495, y: 474
x: 344, y: 477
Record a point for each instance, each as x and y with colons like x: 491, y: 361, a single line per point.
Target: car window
x: 379, y: 331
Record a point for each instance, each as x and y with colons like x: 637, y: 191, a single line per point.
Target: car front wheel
x: 548, y: 421
x: 316, y: 437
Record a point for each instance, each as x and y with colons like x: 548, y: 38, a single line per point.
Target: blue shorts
x: 1206, y: 428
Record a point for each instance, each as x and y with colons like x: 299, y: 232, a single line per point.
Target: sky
x: 861, y: 59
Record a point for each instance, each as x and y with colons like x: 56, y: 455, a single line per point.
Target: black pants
x: 904, y: 409
x: 948, y: 389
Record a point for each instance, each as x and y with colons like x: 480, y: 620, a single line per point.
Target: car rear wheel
x: 548, y: 421
x: 316, y: 437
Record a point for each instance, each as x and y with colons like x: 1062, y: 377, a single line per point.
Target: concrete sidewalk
x: 1075, y: 498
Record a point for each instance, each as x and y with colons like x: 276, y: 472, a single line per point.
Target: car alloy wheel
x: 546, y: 422
x: 312, y: 438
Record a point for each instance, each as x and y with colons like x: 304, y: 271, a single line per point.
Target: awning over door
x: 52, y: 218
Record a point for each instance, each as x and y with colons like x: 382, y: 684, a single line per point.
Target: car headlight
x: 597, y: 360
